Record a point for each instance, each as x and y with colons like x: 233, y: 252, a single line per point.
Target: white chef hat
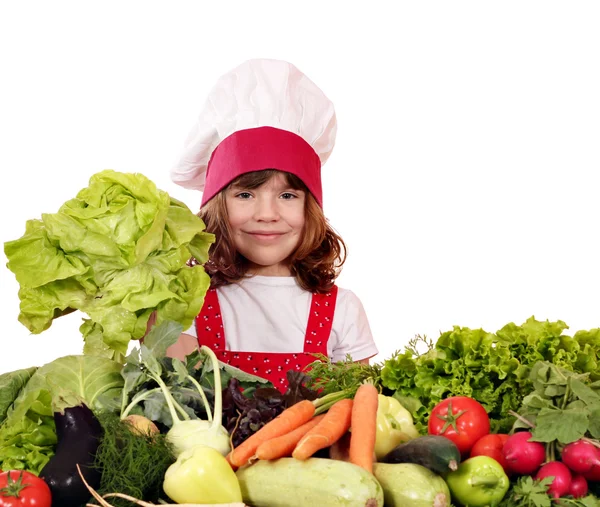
x: 264, y: 114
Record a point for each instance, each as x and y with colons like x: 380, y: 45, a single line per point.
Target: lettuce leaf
x: 28, y: 435
x: 10, y: 386
x: 118, y: 251
x: 492, y: 368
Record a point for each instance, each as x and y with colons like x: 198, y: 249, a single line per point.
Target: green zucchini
x: 410, y: 485
x: 288, y: 482
x: 437, y: 453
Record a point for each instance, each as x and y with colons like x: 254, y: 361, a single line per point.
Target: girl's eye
x: 287, y: 196
x: 244, y: 195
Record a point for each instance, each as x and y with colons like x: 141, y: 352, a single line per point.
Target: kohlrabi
x: 187, y: 433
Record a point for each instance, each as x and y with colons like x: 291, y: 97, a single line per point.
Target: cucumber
x: 288, y: 482
x: 410, y: 485
x: 437, y: 453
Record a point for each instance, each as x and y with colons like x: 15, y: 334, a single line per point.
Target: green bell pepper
x: 202, y: 476
x: 478, y: 482
x: 394, y: 426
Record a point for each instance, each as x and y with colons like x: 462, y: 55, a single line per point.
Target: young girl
x: 256, y: 153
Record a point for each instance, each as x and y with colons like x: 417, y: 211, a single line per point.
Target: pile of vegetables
x: 492, y: 368
x: 503, y: 419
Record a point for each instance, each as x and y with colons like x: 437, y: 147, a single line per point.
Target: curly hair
x: 316, y: 262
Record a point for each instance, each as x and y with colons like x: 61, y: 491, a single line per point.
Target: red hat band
x: 262, y: 148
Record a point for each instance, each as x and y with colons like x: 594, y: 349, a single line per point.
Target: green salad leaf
x: 493, y: 368
x: 11, y: 385
x: 28, y: 435
x: 118, y: 252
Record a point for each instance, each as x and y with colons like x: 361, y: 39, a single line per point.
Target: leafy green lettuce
x: 10, y: 386
x: 118, y: 251
x: 28, y: 435
x: 492, y: 368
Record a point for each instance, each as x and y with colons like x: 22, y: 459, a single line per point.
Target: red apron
x: 272, y: 366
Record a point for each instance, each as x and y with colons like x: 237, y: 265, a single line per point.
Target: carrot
x: 364, y: 425
x: 290, y: 419
x: 283, y: 445
x: 330, y: 429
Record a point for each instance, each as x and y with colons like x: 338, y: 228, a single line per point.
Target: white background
x: 464, y: 179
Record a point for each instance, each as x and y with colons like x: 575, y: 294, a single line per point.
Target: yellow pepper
x: 202, y: 476
x: 394, y: 426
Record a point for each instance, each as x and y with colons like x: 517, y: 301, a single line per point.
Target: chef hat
x: 264, y: 114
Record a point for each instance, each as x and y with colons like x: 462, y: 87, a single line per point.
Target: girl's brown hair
x: 316, y: 262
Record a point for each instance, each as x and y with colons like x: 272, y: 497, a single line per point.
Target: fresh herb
x: 492, y: 368
x: 330, y: 377
x: 528, y: 492
x: 131, y: 462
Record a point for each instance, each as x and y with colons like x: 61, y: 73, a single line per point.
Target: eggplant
x: 78, y: 432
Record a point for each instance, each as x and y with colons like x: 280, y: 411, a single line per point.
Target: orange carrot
x: 290, y: 419
x: 330, y: 429
x: 364, y: 425
x: 282, y: 446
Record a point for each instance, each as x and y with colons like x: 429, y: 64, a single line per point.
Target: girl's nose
x: 266, y: 209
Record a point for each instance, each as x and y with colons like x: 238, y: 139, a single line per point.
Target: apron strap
x: 320, y: 320
x: 209, y: 324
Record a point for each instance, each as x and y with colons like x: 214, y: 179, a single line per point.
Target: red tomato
x: 23, y: 489
x: 491, y: 446
x: 461, y: 419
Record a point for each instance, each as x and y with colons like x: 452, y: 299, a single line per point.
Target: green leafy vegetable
x: 142, y: 394
x: 131, y: 462
x: 117, y: 252
x: 563, y: 407
x: 331, y: 377
x: 492, y: 368
x: 528, y: 492
x: 93, y: 380
x: 28, y: 435
x: 10, y: 386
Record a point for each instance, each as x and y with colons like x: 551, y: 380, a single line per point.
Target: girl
x: 256, y: 153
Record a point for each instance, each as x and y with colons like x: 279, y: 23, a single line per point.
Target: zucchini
x: 410, y: 485
x: 437, y: 453
x: 288, y: 482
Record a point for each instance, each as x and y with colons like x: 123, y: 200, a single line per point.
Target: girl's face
x: 267, y: 224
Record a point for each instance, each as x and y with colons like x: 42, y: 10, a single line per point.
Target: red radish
x: 562, y: 478
x: 594, y: 474
x: 580, y: 456
x: 523, y: 457
x: 579, y: 486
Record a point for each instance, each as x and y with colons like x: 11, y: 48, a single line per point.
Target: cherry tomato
x: 460, y: 419
x: 491, y: 446
x: 23, y: 489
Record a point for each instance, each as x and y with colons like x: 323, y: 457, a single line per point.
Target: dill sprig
x: 130, y: 462
x: 331, y: 377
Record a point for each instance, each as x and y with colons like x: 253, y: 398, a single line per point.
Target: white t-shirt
x: 270, y: 314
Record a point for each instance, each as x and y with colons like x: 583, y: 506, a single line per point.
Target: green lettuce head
x: 118, y: 252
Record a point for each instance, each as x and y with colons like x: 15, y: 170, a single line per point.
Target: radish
x: 579, y: 486
x: 523, y: 457
x: 594, y: 474
x: 580, y: 456
x: 562, y: 478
